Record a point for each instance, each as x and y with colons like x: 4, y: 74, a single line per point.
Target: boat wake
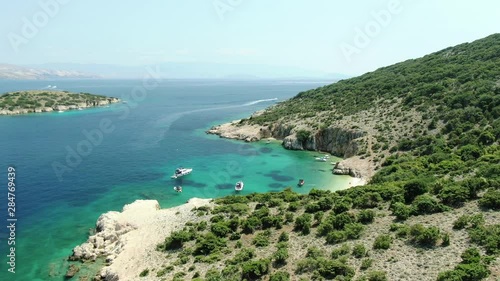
x: 258, y: 101
x: 156, y: 132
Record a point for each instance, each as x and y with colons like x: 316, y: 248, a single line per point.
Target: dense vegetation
x: 39, y: 99
x: 449, y: 166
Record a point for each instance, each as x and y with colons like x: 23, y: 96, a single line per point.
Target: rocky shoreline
x: 127, y: 240
x: 336, y: 141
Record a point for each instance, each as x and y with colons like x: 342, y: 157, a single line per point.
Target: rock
x: 291, y: 142
x: 72, y: 270
x: 341, y: 169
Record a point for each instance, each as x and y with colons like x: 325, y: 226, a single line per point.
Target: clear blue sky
x: 307, y: 34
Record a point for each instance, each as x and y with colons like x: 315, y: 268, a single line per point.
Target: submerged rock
x: 72, y: 270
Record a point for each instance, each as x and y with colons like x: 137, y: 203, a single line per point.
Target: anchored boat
x: 180, y: 172
x: 239, y: 186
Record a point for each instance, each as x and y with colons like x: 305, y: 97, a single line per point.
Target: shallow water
x: 135, y: 161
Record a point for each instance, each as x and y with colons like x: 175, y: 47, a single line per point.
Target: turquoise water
x: 162, y: 131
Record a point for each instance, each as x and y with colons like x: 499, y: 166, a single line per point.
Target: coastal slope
x: 365, y: 119
x: 427, y: 131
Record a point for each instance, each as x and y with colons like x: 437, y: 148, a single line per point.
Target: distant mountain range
x: 201, y: 70
x: 9, y: 71
x: 170, y: 70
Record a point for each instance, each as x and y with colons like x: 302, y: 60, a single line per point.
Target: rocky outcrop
x: 342, y: 169
x: 72, y: 270
x: 337, y: 141
x: 109, y: 229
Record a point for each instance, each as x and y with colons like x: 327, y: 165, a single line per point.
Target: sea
x: 70, y: 167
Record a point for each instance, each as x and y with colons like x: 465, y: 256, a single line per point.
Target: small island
x: 38, y: 101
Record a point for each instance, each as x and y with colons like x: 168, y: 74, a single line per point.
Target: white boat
x: 239, y: 186
x: 178, y: 188
x: 322, y: 159
x: 179, y: 172
x: 80, y: 108
x: 60, y: 111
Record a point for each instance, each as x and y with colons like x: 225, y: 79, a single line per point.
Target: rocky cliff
x: 337, y: 141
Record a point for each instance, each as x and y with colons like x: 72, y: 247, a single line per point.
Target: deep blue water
x: 149, y: 137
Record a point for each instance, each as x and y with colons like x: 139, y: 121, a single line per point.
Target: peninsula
x: 37, y: 101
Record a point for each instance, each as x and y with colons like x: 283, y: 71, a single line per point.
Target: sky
x: 328, y: 36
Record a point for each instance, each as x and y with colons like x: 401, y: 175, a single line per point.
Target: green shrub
x: 261, y: 239
x: 252, y: 270
x: 283, y: 237
x: 376, y: 276
x: 144, y: 273
x: 336, y: 236
x: 401, y: 211
x: 471, y: 268
x: 294, y: 206
x: 446, y: 240
x: 314, y: 253
x: 426, y: 204
x: 382, y: 241
x: 341, y: 206
x: 245, y: 254
x: 176, y: 240
x: 486, y: 236
x: 353, y: 230
x: 251, y: 224
x: 303, y: 224
x: 220, y: 229
x: 359, y: 251
x: 424, y: 236
x: 209, y: 243
x: 366, y: 216
x: 302, y: 135
x: 289, y: 217
x: 368, y: 200
x: 280, y: 256
x: 306, y: 265
x: 491, y: 199
x: 179, y: 276
x: 366, y: 263
x: 341, y: 251
x: 461, y: 222
x: 280, y: 276
x: 330, y: 269
x: 414, y: 188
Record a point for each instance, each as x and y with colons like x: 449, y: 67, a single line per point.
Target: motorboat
x: 322, y: 159
x: 180, y: 172
x: 301, y: 182
x: 178, y: 188
x: 239, y: 186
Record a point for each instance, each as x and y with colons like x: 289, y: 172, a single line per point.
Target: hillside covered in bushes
x: 430, y: 211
